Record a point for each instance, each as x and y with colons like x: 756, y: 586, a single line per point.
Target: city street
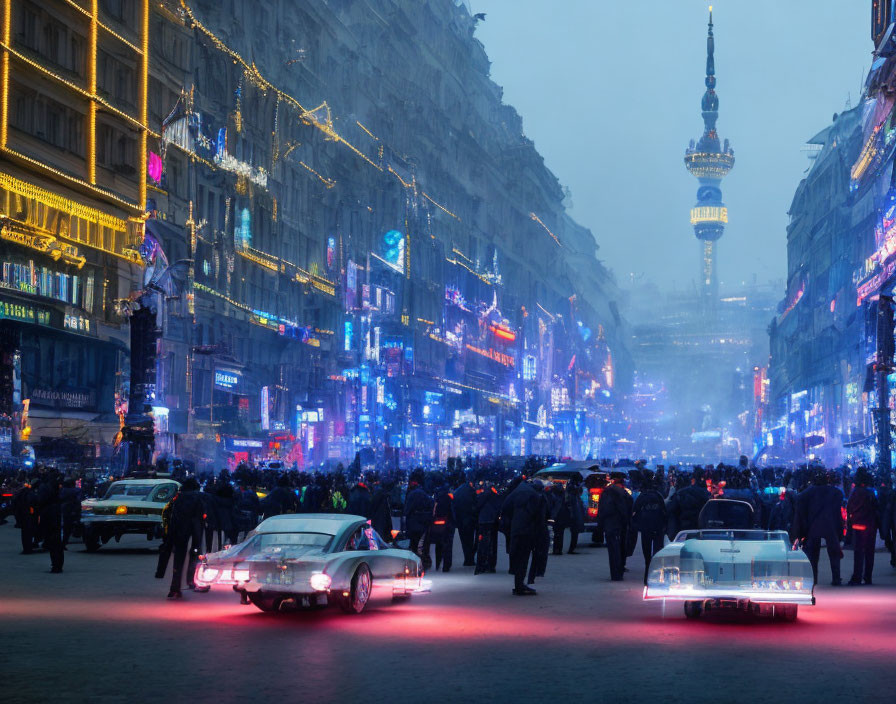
x: 103, y: 630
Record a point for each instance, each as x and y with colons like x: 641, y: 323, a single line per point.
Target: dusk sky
x: 610, y: 92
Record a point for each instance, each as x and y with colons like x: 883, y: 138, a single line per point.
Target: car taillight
x: 592, y: 511
x: 207, y: 574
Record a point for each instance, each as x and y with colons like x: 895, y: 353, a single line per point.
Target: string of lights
x: 130, y: 205
x: 329, y: 183
x: 4, y: 73
x: 537, y: 219
x: 111, y: 32
x: 440, y: 206
x: 371, y: 134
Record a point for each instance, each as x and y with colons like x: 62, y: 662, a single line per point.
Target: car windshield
x: 721, y: 534
x: 122, y: 490
x: 285, y: 545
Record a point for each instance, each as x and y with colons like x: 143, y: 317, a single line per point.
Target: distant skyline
x: 609, y: 91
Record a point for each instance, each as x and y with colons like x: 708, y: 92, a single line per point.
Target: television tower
x: 709, y: 161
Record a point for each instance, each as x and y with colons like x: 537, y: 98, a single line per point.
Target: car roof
x: 145, y: 481
x: 584, y: 468
x: 326, y: 523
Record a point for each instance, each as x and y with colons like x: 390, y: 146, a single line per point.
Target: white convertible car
x: 313, y: 559
x: 727, y: 564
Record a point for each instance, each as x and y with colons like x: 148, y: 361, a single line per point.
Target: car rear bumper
x: 126, y: 524
x: 755, y: 596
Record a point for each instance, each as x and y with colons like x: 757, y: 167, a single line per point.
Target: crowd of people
x: 477, y: 502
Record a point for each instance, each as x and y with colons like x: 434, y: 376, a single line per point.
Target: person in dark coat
x: 442, y: 529
x: 281, y: 500
x: 167, y: 545
x: 247, y: 509
x: 185, y: 527
x: 224, y: 512
x: 359, y: 500
x: 542, y: 545
x: 381, y: 511
x: 50, y: 519
x: 418, y: 507
x: 488, y: 511
x: 818, y: 517
x: 649, y: 520
x: 24, y: 507
x: 465, y: 514
x: 863, y: 516
x: 781, y: 515
x: 70, y: 497
x: 576, y: 515
x: 561, y: 517
x: 614, y: 516
x: 209, y: 516
x: 685, y: 506
x: 520, y: 516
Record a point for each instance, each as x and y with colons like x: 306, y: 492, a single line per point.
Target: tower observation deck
x: 709, y: 161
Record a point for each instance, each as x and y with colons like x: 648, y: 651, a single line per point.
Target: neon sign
x: 226, y: 378
x: 499, y: 357
x: 503, y: 332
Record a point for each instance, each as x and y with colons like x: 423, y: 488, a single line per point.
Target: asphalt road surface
x: 103, y: 632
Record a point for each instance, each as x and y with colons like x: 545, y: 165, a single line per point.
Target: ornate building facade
x: 350, y: 246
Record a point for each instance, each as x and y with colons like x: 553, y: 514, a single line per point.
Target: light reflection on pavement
x: 111, y: 607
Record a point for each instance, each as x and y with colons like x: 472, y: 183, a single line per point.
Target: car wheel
x: 91, y: 540
x: 265, y: 602
x: 786, y: 612
x: 693, y: 609
x: 359, y: 594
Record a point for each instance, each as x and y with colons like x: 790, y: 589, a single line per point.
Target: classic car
x: 593, y: 479
x: 312, y: 559
x: 128, y: 506
x: 726, y: 563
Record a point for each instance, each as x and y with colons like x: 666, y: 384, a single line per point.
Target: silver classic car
x: 313, y: 559
x: 726, y: 563
x: 128, y: 506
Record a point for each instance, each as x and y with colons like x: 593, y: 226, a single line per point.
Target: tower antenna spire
x: 709, y: 161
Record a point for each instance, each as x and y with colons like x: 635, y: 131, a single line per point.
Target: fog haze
x: 610, y: 91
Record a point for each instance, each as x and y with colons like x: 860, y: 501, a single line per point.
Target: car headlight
x: 320, y: 582
x: 121, y: 510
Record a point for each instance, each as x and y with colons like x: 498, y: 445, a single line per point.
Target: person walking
x: 863, y: 517
x: 185, y: 527
x: 649, y: 520
x: 576, y: 510
x: 488, y: 511
x: 465, y: 514
x: 442, y: 530
x: 24, y: 507
x: 614, y: 516
x: 542, y: 544
x: 819, y: 518
x: 50, y: 519
x: 520, y: 517
x: 381, y: 510
x: 70, y: 498
x: 418, y: 506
